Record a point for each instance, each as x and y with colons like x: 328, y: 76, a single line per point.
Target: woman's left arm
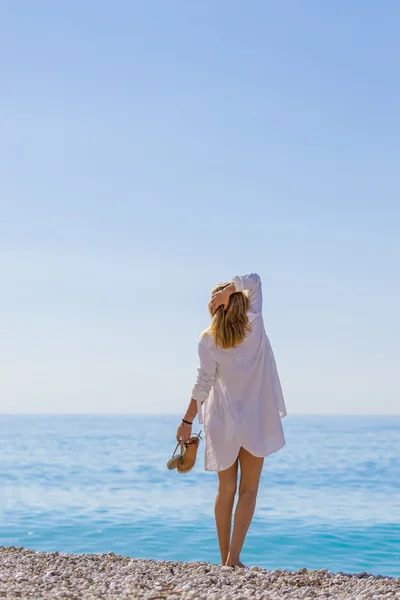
x: 184, y: 430
x: 205, y: 380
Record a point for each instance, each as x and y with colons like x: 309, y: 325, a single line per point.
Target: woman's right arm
x: 250, y: 282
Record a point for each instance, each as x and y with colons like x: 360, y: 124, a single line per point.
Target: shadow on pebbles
x: 43, y: 575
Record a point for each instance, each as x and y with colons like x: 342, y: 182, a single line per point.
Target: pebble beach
x: 50, y: 575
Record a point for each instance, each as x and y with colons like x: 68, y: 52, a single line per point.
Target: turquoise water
x: 329, y: 499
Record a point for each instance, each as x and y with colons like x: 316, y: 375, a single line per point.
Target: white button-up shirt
x: 241, y: 390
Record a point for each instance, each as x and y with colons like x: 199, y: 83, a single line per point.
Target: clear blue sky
x: 149, y: 150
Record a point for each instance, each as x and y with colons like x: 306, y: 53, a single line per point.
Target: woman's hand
x: 183, y: 432
x: 221, y: 298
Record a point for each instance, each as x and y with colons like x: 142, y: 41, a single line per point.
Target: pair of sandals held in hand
x: 184, y: 460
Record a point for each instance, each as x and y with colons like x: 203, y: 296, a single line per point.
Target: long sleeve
x: 205, y: 377
x: 252, y: 283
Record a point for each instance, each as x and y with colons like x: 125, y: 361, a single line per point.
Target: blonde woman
x: 239, y: 385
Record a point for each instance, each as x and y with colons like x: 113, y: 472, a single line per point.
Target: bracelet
x: 188, y: 422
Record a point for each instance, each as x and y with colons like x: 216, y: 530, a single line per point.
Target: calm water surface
x: 329, y: 499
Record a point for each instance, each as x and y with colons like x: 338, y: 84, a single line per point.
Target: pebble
x: 26, y: 574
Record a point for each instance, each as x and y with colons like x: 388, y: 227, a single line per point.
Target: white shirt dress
x: 241, y: 391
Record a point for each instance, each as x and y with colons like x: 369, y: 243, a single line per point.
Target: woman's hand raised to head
x: 221, y: 298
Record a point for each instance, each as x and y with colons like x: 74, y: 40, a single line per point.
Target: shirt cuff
x: 200, y: 397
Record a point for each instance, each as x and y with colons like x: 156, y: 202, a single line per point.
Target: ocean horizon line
x: 157, y: 415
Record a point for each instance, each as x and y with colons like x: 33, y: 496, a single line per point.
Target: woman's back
x: 237, y: 367
x: 241, y: 389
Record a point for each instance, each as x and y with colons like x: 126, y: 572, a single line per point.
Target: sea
x: 330, y: 499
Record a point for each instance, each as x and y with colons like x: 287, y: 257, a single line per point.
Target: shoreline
x: 27, y: 574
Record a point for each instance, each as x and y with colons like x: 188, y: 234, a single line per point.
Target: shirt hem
x: 206, y: 468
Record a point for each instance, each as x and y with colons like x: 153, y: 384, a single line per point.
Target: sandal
x: 189, y: 458
x: 173, y: 462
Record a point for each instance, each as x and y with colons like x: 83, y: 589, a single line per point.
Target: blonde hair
x: 229, y: 327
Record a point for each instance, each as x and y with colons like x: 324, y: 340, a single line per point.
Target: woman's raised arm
x: 252, y: 283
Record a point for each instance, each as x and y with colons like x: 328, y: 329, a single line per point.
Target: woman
x: 239, y: 384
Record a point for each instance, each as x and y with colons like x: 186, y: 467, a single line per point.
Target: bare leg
x: 250, y: 472
x: 227, y: 483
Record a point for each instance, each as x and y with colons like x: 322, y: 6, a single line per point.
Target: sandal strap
x: 181, y: 444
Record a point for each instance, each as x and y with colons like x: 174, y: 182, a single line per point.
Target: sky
x: 149, y: 150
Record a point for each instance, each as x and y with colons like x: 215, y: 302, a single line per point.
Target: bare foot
x: 235, y: 563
